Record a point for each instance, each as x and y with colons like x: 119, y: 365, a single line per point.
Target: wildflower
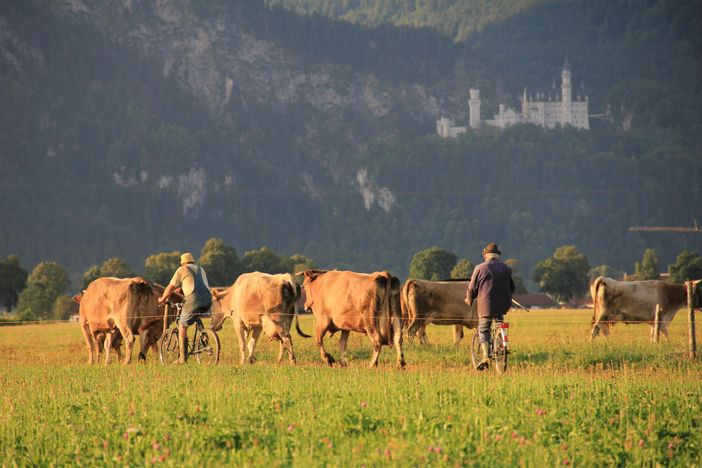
x: 642, y: 443
x: 291, y: 427
x: 364, y: 404
x: 155, y: 445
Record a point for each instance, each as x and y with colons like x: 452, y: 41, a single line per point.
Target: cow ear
x: 313, y: 274
x: 77, y: 298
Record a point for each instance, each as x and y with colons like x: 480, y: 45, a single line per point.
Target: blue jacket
x: 492, y: 285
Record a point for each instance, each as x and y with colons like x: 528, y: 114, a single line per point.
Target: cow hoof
x: 330, y: 360
x: 142, y: 357
x: 401, y: 365
x: 344, y: 363
x: 252, y: 360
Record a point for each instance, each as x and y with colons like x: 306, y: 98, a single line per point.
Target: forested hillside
x: 131, y: 129
x: 457, y: 19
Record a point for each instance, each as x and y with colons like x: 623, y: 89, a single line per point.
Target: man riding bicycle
x: 198, y: 297
x: 492, y: 285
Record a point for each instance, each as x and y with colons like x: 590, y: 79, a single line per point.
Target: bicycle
x: 204, y: 344
x: 498, y: 346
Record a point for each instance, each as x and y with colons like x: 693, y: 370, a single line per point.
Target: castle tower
x: 525, y: 105
x: 567, y: 101
x: 474, y: 109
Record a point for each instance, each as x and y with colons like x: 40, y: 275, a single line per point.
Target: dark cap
x: 492, y: 248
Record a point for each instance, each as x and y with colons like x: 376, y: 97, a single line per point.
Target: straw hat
x: 187, y: 257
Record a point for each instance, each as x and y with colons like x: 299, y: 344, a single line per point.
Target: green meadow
x: 563, y: 401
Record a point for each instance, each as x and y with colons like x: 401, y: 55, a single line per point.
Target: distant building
x: 555, y: 108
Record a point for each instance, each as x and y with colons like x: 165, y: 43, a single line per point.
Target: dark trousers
x: 484, y: 324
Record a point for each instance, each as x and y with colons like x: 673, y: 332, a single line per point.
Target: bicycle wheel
x: 206, y: 347
x: 499, y: 351
x: 476, y: 354
x: 168, y: 350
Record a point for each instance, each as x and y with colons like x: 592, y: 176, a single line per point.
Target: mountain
x: 130, y: 128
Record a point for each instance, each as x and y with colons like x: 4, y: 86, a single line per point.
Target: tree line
x: 565, y: 275
x: 43, y: 293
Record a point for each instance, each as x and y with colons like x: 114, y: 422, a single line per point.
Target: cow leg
x: 89, y: 342
x: 457, y: 334
x: 286, y: 343
x: 108, y: 347
x: 128, y: 337
x: 397, y: 338
x: 241, y: 336
x: 116, y: 344
x: 413, y: 330
x: 595, y: 331
x: 319, y: 332
x: 145, y: 343
x: 375, y: 341
x: 253, y: 338
x: 343, y: 340
x: 423, y: 338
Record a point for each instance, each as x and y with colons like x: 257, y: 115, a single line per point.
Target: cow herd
x: 113, y: 310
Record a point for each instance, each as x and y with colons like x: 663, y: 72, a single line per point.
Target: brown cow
x: 346, y: 301
x: 116, y: 310
x: 439, y: 302
x: 635, y: 302
x: 259, y: 302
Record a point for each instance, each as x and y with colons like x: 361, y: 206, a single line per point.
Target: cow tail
x: 597, y: 298
x: 141, y: 299
x: 293, y: 289
x: 407, y: 304
x: 384, y: 326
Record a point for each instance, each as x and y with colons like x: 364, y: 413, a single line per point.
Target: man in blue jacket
x: 492, y: 285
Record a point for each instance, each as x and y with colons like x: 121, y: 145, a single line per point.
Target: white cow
x: 635, y: 302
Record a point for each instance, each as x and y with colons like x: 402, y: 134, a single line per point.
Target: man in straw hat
x: 198, y: 296
x: 492, y: 285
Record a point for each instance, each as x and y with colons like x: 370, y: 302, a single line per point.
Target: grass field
x: 563, y: 401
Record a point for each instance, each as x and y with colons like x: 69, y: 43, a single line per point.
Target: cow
x: 635, y: 302
x: 347, y: 301
x: 259, y: 302
x: 117, y: 309
x: 439, y: 302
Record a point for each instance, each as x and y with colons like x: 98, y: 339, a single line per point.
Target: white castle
x: 548, y: 110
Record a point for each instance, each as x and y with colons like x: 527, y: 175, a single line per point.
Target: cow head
x: 220, y: 308
x: 697, y: 293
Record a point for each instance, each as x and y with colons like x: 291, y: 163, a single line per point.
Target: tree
x: 47, y: 281
x: 603, y: 270
x: 519, y: 286
x: 220, y: 261
x: 462, y: 270
x: 13, y: 279
x: 90, y: 275
x: 298, y: 263
x: 687, y: 266
x: 564, y: 274
x: 63, y: 307
x: 160, y: 267
x: 264, y: 260
x: 116, y: 268
x: 648, y: 269
x: 432, y: 264
x: 112, y: 267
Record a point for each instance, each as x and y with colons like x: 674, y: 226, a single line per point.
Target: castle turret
x: 474, y: 108
x: 567, y: 101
